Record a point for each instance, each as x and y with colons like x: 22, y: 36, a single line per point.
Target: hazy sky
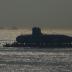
x: 43, y: 13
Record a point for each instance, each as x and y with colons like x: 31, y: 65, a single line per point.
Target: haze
x: 49, y: 14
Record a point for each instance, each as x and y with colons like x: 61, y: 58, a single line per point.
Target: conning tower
x: 36, y: 31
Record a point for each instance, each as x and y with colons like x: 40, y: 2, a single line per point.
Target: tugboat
x: 38, y: 39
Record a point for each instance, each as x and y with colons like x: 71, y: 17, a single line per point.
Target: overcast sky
x: 43, y: 13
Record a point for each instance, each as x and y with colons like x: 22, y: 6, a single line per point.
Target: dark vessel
x: 37, y: 39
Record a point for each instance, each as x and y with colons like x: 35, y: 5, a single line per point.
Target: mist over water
x: 12, y: 34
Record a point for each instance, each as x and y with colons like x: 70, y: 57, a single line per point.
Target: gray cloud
x: 42, y: 13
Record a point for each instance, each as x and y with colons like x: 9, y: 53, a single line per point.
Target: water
x: 35, y: 60
x: 32, y: 60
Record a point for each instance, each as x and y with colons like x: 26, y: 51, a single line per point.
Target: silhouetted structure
x: 37, y: 39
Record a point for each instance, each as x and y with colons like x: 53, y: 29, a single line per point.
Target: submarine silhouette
x: 38, y: 39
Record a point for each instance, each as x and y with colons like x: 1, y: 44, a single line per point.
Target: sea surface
x: 35, y: 60
x: 32, y: 59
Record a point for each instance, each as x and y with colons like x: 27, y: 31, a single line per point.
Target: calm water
x: 35, y: 60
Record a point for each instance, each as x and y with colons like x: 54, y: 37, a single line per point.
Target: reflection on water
x: 35, y: 60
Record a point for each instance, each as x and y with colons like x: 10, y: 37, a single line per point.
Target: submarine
x: 40, y: 40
